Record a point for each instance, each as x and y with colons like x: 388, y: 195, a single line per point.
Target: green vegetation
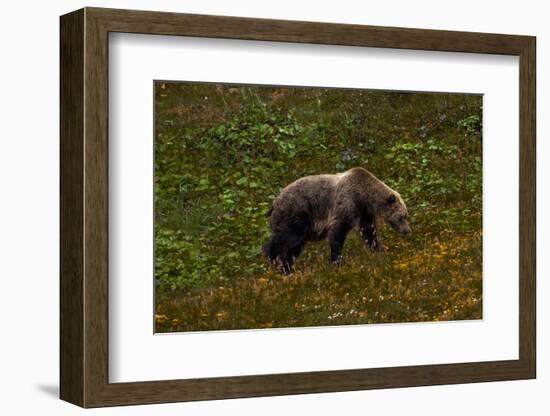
x: 222, y: 154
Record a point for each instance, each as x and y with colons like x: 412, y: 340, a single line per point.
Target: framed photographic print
x: 255, y: 207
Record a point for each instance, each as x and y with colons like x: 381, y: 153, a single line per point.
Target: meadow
x: 224, y: 152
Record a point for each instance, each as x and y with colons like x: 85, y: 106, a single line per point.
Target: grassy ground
x: 224, y: 153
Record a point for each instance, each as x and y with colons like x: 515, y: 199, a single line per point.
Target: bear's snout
x: 402, y: 227
x: 405, y: 229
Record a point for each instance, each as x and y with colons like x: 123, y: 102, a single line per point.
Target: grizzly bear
x: 316, y: 207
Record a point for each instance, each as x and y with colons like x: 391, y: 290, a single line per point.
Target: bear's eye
x: 391, y: 199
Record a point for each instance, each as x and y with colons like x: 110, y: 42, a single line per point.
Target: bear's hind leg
x: 270, y: 251
x: 287, y: 240
x: 297, y: 250
x: 291, y: 256
x: 336, y: 238
x: 282, y: 250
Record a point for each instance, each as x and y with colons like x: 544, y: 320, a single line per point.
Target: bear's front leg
x: 336, y: 238
x: 369, y: 232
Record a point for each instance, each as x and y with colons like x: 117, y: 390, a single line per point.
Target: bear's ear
x: 391, y: 199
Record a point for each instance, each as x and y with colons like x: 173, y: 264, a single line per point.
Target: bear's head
x: 394, y: 211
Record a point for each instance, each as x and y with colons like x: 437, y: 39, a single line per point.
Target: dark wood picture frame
x: 84, y: 207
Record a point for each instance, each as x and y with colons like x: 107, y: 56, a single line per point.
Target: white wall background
x: 29, y: 211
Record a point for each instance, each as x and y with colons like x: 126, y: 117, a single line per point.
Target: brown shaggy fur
x: 329, y: 206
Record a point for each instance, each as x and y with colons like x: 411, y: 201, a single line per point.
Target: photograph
x: 280, y: 205
x: 295, y: 206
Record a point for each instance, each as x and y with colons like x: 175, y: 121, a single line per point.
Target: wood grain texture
x: 71, y: 185
x: 162, y: 23
x: 84, y: 207
x: 306, y: 383
x: 527, y: 207
x: 96, y: 266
